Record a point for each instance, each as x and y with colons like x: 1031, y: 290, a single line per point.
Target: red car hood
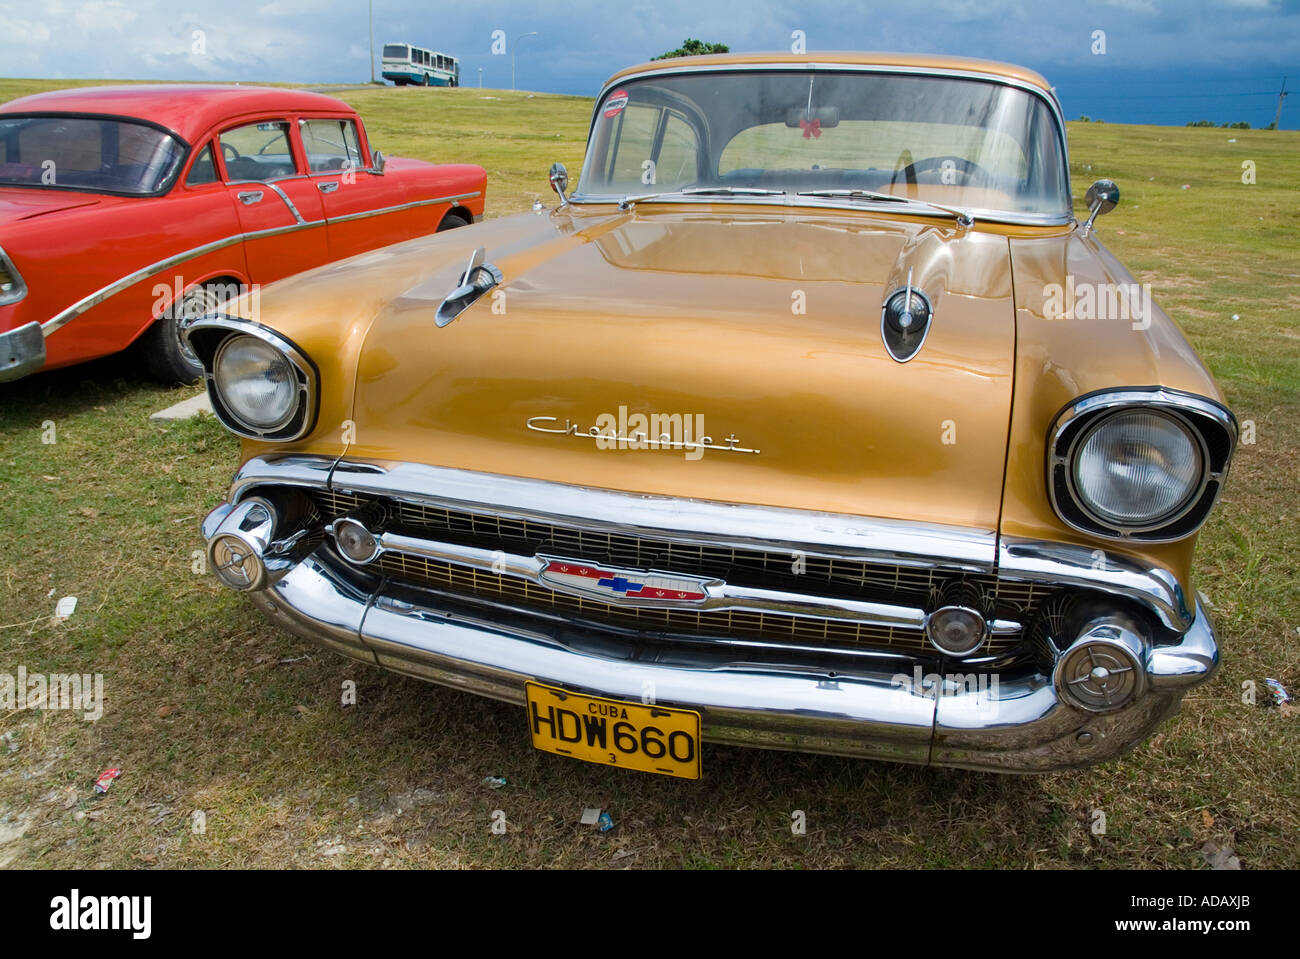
x: 23, y: 203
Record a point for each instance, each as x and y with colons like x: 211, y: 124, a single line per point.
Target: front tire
x: 452, y: 221
x: 166, y: 355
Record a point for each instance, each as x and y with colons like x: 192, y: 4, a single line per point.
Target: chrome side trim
x: 718, y: 594
x: 996, y: 216
x: 19, y: 289
x: 701, y: 522
x: 298, y: 217
x: 403, y: 206
x: 60, y: 320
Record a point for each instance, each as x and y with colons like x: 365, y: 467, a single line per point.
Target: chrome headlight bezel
x: 209, y: 336
x: 1210, y: 426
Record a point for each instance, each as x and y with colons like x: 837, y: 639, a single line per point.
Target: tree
x: 694, y: 48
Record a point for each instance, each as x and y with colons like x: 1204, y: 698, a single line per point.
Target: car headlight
x: 261, y: 384
x: 1137, y: 468
x: 256, y: 382
x: 1139, y: 464
x: 12, y: 287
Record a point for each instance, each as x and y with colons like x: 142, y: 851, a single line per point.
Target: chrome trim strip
x: 404, y: 206
x: 719, y: 595
x: 52, y: 325
x: 19, y: 289
x: 701, y: 522
x: 995, y: 216
x: 298, y: 217
x: 825, y: 203
x: 56, y: 323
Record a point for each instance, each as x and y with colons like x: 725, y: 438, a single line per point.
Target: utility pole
x: 372, y: 41
x: 512, y: 55
x: 1277, y: 117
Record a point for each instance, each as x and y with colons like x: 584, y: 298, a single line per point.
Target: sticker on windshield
x: 615, y: 104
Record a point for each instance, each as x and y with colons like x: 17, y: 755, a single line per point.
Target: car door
x: 354, y: 197
x: 280, y: 209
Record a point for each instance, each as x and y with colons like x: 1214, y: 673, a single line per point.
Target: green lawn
x: 209, y: 708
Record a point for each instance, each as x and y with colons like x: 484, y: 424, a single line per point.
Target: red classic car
x: 124, y: 209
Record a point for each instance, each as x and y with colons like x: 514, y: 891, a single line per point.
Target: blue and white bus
x: 404, y: 63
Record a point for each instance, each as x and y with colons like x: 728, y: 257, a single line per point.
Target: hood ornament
x: 905, y: 321
x: 478, y: 278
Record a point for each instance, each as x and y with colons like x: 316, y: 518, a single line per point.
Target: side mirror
x: 377, y: 161
x: 560, y: 181
x: 1102, y: 197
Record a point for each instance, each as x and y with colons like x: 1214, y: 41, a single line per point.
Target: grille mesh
x: 751, y: 567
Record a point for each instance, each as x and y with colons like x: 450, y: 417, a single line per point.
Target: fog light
x: 956, y: 630
x: 355, y: 542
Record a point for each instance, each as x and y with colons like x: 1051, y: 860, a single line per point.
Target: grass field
x: 210, y: 709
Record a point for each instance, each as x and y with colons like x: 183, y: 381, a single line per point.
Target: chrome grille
x: 752, y: 567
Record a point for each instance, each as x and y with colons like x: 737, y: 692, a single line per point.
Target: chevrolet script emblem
x: 623, y: 586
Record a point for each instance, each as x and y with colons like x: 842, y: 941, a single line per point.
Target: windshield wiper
x: 964, y: 219
x: 628, y: 201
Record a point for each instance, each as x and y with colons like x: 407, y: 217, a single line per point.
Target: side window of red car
x: 330, y: 145
x: 203, y: 169
x: 257, y: 151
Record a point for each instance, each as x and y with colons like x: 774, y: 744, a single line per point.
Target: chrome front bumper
x: 881, y: 709
x: 22, y: 352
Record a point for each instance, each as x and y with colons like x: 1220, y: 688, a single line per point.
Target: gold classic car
x: 812, y: 419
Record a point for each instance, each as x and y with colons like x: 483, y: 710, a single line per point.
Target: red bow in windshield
x: 811, y: 128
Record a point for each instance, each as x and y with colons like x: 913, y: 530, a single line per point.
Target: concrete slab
x: 184, y: 410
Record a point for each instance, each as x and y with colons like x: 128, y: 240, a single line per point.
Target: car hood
x: 23, y: 203
x: 759, y: 330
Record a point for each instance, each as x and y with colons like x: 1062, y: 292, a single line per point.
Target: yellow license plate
x: 652, y: 739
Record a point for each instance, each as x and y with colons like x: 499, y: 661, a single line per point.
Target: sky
x: 1123, y: 61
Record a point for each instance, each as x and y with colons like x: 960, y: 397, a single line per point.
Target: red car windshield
x: 98, y: 154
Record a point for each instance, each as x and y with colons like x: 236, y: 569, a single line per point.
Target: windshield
x: 100, y: 154
x: 968, y: 143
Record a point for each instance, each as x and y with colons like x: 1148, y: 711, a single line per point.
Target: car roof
x: 187, y: 109
x: 920, y: 62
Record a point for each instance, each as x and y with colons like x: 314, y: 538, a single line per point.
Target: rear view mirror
x: 825, y: 117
